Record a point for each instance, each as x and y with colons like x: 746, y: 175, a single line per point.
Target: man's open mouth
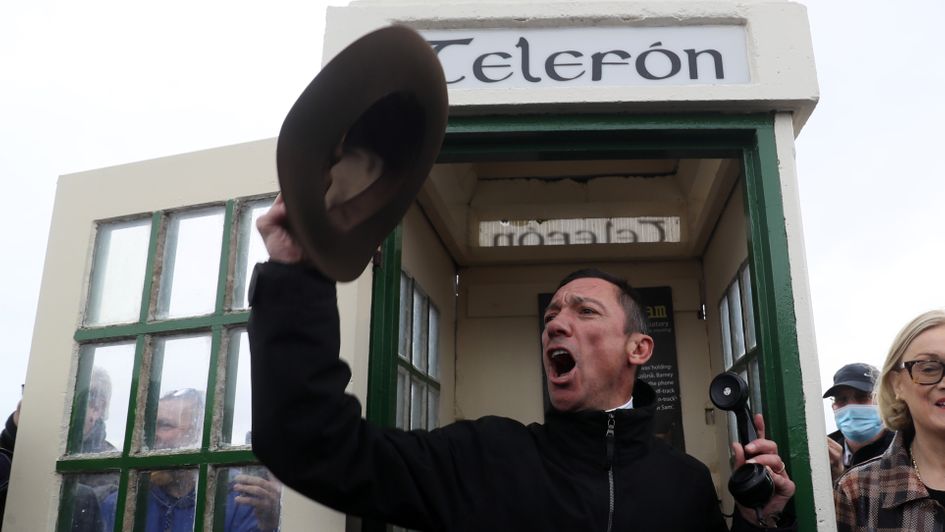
x: 561, y: 361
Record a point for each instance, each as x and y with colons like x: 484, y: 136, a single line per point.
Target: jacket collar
x: 895, y: 466
x: 582, y: 434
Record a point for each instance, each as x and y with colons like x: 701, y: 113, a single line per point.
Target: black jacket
x: 490, y: 474
x: 867, y: 452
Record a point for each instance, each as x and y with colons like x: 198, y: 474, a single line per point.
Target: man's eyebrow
x: 573, y: 300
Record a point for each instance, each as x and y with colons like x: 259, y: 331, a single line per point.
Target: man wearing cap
x: 861, y: 433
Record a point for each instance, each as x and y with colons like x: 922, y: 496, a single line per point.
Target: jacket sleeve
x: 310, y: 433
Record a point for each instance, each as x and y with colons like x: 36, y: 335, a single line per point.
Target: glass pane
x: 419, y: 341
x: 250, y: 250
x: 725, y: 323
x: 749, y: 310
x: 754, y: 384
x: 103, y: 394
x: 418, y: 411
x: 88, y: 501
x: 191, y: 263
x: 403, y: 339
x: 179, y: 373
x: 121, y: 255
x: 433, y: 367
x: 248, y: 498
x: 238, y: 416
x: 403, y: 401
x: 168, y: 497
x: 433, y: 408
x: 738, y: 331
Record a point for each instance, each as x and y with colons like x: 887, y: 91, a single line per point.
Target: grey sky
x: 102, y: 83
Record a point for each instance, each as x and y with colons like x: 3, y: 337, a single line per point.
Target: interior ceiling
x: 458, y: 196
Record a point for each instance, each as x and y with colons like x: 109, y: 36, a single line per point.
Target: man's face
x: 848, y: 395
x: 94, y: 411
x: 589, y: 359
x: 176, y: 424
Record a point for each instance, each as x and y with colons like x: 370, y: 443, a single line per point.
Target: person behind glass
x: 904, y: 488
x: 861, y: 434
x: 594, y: 464
x: 252, y: 505
x: 7, y: 444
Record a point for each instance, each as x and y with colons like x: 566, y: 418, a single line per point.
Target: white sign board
x: 590, y: 57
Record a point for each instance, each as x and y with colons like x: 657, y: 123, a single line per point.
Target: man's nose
x: 558, y: 326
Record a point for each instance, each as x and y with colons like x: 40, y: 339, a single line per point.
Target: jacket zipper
x: 609, y: 441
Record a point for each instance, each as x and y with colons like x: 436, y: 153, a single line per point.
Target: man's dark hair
x: 628, y: 298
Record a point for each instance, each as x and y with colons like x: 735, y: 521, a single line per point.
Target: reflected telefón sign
x: 623, y: 230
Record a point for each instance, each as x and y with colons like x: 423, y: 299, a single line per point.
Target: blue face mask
x: 859, y: 423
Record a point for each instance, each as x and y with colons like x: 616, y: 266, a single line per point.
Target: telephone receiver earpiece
x: 751, y: 484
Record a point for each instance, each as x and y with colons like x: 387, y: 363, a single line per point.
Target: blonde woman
x: 904, y: 488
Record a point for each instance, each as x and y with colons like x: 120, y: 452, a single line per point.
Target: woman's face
x: 926, y: 401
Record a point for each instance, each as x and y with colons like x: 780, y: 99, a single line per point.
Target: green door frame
x: 562, y: 137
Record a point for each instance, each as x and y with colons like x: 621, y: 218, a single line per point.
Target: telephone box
x: 654, y: 140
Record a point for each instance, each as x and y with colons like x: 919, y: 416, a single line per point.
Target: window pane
x: 168, y: 497
x: 418, y: 411
x: 433, y: 408
x: 121, y: 255
x: 403, y: 401
x: 248, y: 498
x: 754, y: 384
x: 735, y: 312
x: 403, y: 338
x: 250, y: 250
x: 88, y: 501
x: 191, y: 263
x: 749, y: 309
x: 103, y: 393
x: 238, y: 407
x: 433, y: 367
x: 725, y: 323
x: 419, y: 341
x: 179, y: 373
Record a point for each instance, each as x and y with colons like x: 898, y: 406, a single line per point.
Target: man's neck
x: 854, y: 447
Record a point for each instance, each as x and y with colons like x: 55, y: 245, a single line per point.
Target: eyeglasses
x: 924, y: 371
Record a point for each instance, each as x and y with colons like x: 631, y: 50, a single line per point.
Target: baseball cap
x: 858, y: 375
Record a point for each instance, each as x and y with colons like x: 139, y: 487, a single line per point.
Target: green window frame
x: 739, y: 338
x: 222, y: 327
x: 418, y: 358
x: 748, y: 137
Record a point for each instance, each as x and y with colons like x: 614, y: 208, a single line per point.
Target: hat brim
x: 859, y: 385
x: 393, y: 77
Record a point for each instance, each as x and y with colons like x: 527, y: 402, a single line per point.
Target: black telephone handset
x: 750, y: 484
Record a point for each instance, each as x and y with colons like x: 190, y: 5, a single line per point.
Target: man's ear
x: 639, y: 349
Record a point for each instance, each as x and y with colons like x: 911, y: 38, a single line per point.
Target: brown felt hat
x: 357, y: 146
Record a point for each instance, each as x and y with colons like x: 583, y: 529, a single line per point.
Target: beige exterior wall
x: 82, y: 199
